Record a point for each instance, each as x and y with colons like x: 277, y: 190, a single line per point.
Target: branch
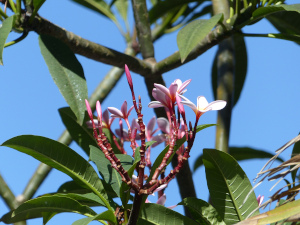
x: 143, y: 28
x: 88, y: 48
x: 7, y: 195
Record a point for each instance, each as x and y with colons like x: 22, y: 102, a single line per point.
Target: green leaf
x: 202, y: 212
x: 296, y: 151
x: 122, y: 7
x: 162, y: 7
x: 4, y: 32
x: 66, y: 72
x: 267, y: 10
x: 160, y: 215
x: 279, y: 213
x: 89, y: 199
x: 62, y: 158
x: 107, y: 215
x: 240, y: 69
x: 41, y: 206
x: 99, y: 6
x: 80, y: 133
x: 193, y: 33
x: 37, y: 4
x: 228, y: 186
x: 241, y: 153
x: 109, y: 174
x: 286, y: 22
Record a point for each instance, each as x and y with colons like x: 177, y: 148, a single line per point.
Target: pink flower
x: 123, y: 114
x: 128, y: 76
x: 166, y: 97
x: 203, y: 106
x: 162, y: 201
x: 260, y: 199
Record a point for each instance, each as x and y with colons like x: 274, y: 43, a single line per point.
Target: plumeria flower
x: 167, y: 96
x: 106, y: 121
x: 123, y: 114
x: 260, y: 199
x: 203, y: 105
x: 161, y: 201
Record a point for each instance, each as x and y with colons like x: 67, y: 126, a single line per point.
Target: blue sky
x: 266, y: 116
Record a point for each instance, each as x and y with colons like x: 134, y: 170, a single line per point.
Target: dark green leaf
x: 60, y: 157
x: 80, y: 134
x: 66, y: 72
x: 267, y: 10
x: 202, y: 212
x: 241, y: 153
x: 109, y: 174
x: 89, y: 199
x: 286, y: 22
x: 4, y: 32
x: 240, y: 69
x: 158, y: 214
x: 37, y: 207
x: 37, y: 5
x: 107, y: 216
x: 99, y: 6
x: 163, y: 7
x: 296, y: 151
x: 193, y: 33
x: 228, y: 186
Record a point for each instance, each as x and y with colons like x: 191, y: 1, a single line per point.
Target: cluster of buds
x: 173, y: 128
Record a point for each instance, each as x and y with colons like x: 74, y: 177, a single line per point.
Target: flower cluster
x: 170, y: 130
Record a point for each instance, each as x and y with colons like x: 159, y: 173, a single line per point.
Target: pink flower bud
x: 99, y: 112
x: 89, y: 110
x: 129, y: 79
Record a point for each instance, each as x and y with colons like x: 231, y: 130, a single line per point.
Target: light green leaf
x: 282, y: 212
x: 80, y: 133
x: 202, y: 212
x: 44, y: 205
x: 193, y: 33
x: 267, y: 10
x: 62, y: 158
x: 89, y: 199
x: 160, y: 215
x: 4, y: 32
x: 109, y: 174
x: 66, y: 72
x: 107, y: 216
x: 122, y: 7
x: 37, y: 4
x: 99, y: 6
x: 228, y: 186
x: 241, y: 153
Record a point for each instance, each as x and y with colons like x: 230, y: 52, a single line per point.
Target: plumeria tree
x: 119, y: 141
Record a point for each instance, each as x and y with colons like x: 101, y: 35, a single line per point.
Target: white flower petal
x: 217, y: 105
x: 202, y: 103
x: 191, y: 105
x: 163, y: 89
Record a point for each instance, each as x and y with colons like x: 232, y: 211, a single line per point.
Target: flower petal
x: 129, y: 111
x: 163, y: 125
x: 162, y: 199
x: 202, y: 103
x: 163, y: 89
x: 90, y: 123
x: 217, y: 105
x: 191, y: 105
x: 183, y: 86
x: 173, y: 90
x: 115, y: 112
x: 150, y: 125
x: 155, y: 104
x: 124, y: 109
x: 159, y: 139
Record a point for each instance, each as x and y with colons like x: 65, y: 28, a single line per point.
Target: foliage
x: 123, y: 186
